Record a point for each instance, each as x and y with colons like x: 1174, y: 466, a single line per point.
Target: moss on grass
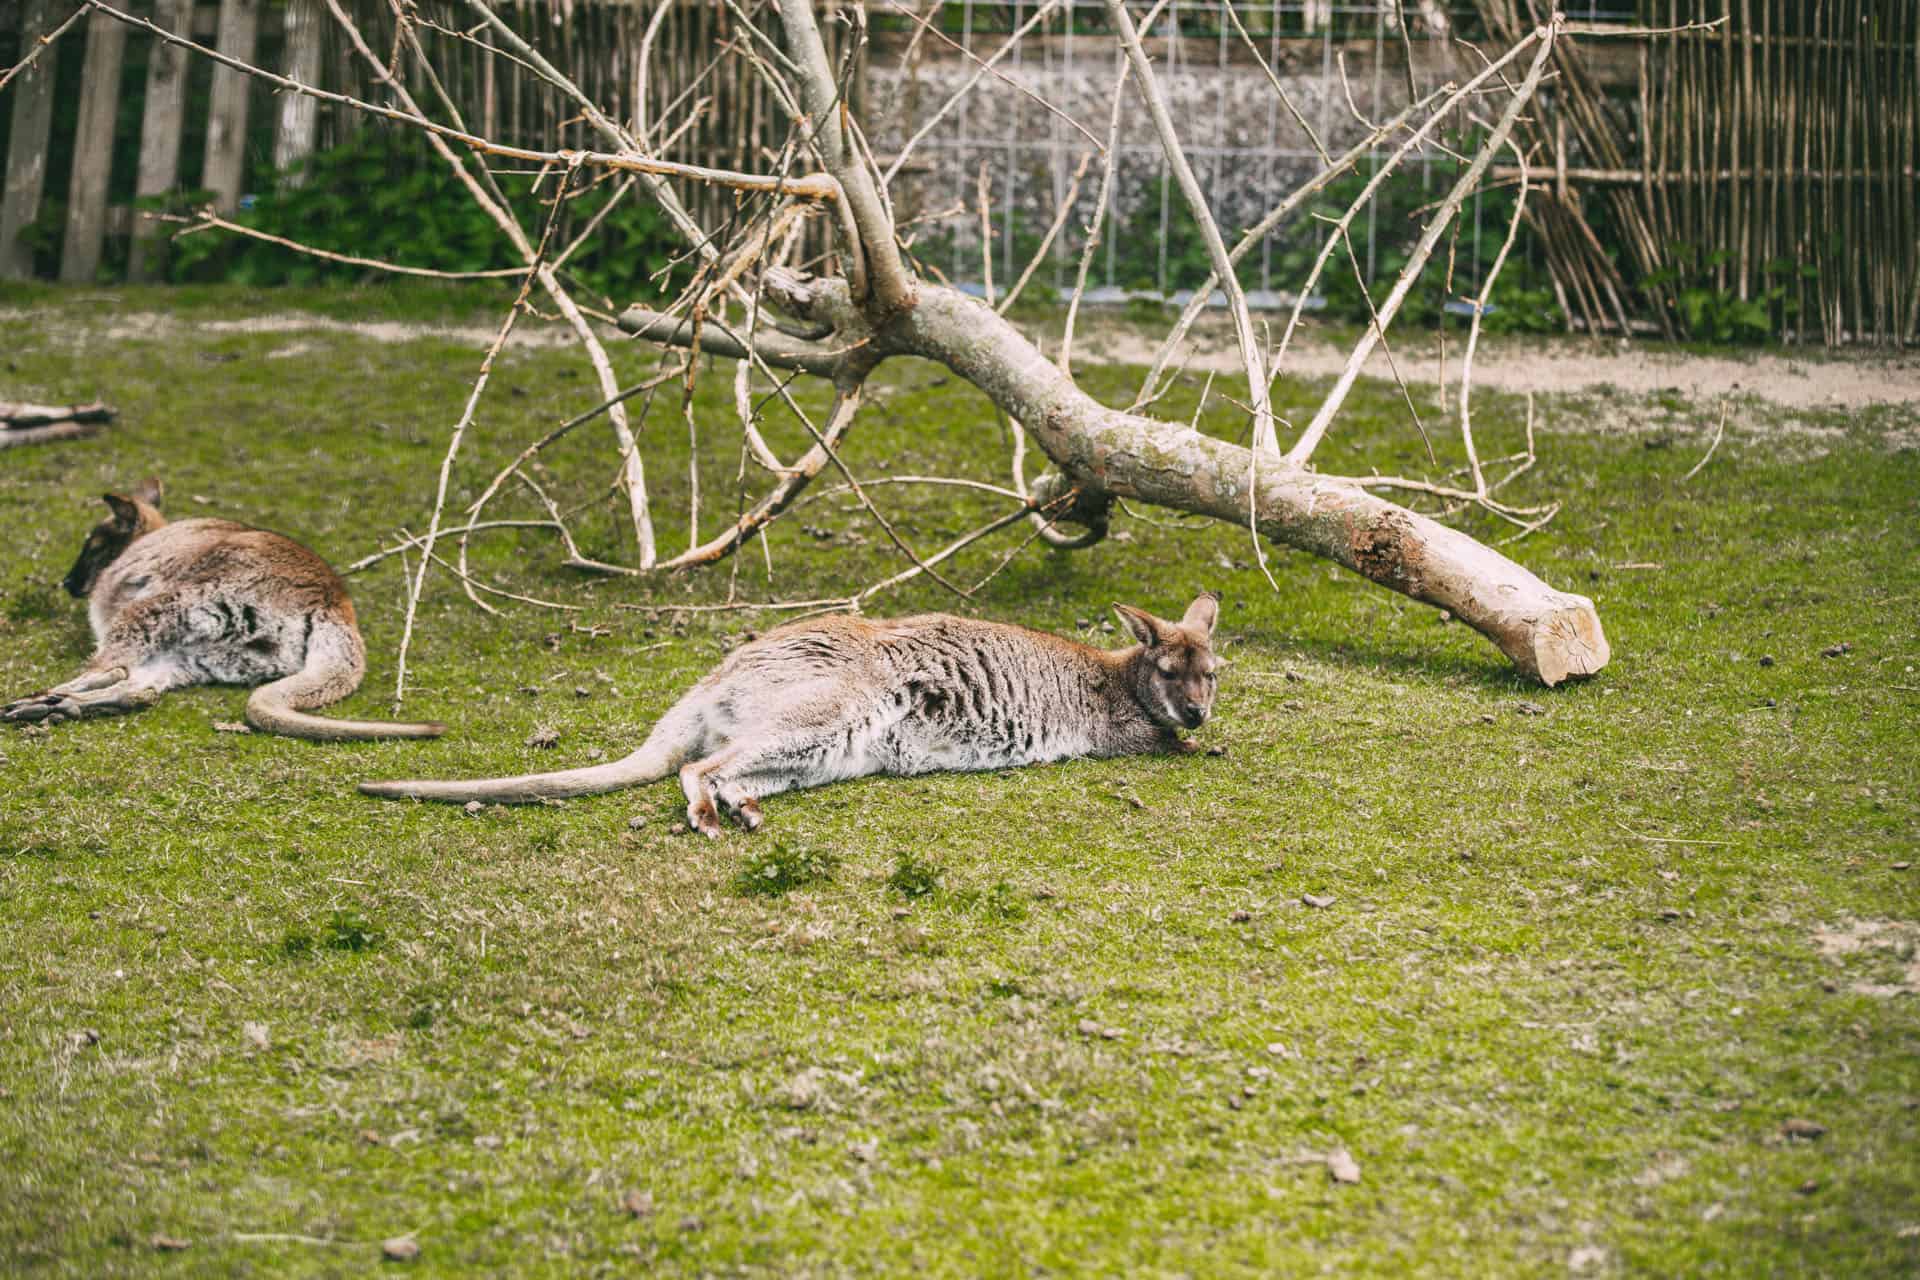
x: 1587, y: 951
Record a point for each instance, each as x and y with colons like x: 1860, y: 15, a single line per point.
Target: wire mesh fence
x: 1261, y: 93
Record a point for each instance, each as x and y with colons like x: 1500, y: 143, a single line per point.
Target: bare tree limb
x: 1264, y: 438
x: 1423, y: 248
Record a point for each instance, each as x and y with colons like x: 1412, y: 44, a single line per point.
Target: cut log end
x: 1564, y: 642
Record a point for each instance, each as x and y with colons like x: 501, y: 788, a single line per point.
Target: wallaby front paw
x: 748, y: 811
x: 704, y: 818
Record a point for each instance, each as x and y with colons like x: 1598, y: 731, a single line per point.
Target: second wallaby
x: 211, y: 602
x: 842, y: 697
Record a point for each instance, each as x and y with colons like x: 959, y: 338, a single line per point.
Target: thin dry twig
x: 208, y: 220
x: 1053, y: 231
x: 1040, y: 15
x: 453, y: 444
x: 1473, y: 330
x: 1264, y: 439
x: 1542, y: 37
x: 1720, y: 429
x: 41, y: 43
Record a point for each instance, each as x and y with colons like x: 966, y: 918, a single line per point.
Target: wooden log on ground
x: 23, y: 423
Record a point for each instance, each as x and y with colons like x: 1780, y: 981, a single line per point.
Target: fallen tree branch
x: 1550, y: 635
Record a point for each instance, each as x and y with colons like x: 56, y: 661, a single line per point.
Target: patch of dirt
x: 1550, y: 366
x: 159, y: 325
x: 1855, y: 938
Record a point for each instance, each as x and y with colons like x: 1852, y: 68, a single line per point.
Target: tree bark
x: 1549, y: 635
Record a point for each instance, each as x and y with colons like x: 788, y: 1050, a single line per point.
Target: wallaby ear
x: 125, y: 513
x: 1203, y: 613
x: 1146, y: 628
x: 150, y: 491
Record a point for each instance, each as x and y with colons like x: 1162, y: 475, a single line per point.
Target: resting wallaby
x: 841, y: 697
x: 211, y: 602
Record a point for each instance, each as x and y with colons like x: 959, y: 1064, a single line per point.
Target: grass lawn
x: 1589, y: 949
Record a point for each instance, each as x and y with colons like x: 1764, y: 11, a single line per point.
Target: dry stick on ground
x: 1719, y: 430
x: 18, y: 414
x: 22, y: 423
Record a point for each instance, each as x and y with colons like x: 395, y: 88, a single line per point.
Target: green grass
x: 1070, y: 1019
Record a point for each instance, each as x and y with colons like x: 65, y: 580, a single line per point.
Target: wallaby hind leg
x: 108, y: 692
x: 807, y: 745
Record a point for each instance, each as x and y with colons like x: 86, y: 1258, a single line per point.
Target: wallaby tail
x: 336, y: 659
x: 649, y: 764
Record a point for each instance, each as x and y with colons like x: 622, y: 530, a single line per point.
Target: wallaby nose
x: 1196, y: 715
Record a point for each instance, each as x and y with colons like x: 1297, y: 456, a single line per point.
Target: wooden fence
x: 1770, y: 161
x: 196, y: 127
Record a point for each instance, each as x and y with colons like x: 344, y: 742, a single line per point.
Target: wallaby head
x: 133, y: 515
x: 1174, y: 672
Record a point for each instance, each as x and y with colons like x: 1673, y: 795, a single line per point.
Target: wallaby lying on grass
x: 211, y: 602
x: 841, y: 697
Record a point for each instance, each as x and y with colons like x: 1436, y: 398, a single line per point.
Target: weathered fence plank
x: 160, y: 131
x: 27, y: 144
x: 299, y: 114
x: 227, y: 111
x: 93, y: 150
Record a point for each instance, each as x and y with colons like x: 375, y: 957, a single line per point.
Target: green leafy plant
x: 350, y: 931
x: 914, y: 876
x: 774, y: 869
x: 1710, y: 312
